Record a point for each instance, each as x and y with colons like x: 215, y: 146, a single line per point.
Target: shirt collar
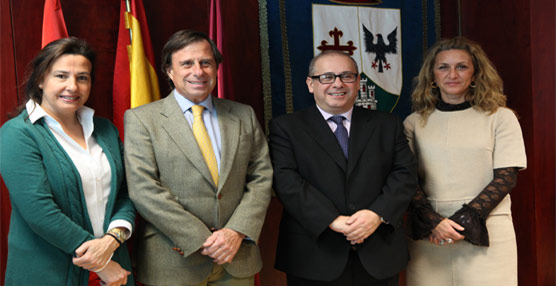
x: 84, y: 115
x: 35, y: 111
x: 185, y: 104
x: 326, y: 115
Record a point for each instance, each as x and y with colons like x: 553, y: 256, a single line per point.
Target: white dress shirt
x: 331, y: 124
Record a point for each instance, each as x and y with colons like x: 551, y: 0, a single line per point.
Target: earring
x: 434, y: 84
x: 473, y: 84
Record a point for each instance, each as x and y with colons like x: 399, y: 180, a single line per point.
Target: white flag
x: 372, y: 36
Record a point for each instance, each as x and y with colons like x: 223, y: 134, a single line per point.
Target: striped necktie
x: 203, y: 140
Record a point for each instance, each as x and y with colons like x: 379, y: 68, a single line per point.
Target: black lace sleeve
x: 473, y: 216
x: 423, y: 218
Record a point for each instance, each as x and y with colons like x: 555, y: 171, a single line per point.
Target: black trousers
x: 354, y: 275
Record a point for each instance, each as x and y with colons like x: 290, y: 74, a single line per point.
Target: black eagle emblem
x: 380, y: 48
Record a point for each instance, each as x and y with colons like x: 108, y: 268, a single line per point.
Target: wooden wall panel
x: 8, y: 101
x: 97, y: 22
x: 165, y: 20
x: 242, y: 53
x: 94, y: 21
x: 519, y: 36
x: 448, y: 18
x: 26, y: 17
x: 268, y: 241
x: 543, y: 89
x: 505, y: 39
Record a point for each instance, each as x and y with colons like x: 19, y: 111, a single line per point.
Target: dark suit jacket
x: 316, y: 184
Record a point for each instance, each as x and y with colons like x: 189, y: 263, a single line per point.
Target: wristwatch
x: 119, y: 234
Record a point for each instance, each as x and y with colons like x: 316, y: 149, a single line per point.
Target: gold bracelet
x: 114, y: 236
x: 118, y: 234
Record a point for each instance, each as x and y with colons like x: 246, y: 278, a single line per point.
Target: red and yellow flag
x: 135, y: 80
x: 53, y: 24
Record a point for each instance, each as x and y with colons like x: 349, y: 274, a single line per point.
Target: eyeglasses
x: 327, y: 78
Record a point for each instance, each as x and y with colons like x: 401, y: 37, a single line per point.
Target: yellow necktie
x: 203, y: 140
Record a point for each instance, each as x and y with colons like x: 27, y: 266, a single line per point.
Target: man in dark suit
x: 345, y: 176
x: 199, y: 173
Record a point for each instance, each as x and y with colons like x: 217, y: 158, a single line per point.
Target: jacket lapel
x: 362, y: 128
x: 177, y: 127
x: 229, y: 126
x: 320, y: 131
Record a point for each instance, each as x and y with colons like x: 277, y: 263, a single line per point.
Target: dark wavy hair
x: 43, y: 61
x: 487, y: 95
x: 180, y: 40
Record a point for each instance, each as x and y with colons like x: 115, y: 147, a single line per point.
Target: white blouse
x: 91, y: 163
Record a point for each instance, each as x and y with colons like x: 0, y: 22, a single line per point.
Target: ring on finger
x: 449, y: 241
x: 441, y: 242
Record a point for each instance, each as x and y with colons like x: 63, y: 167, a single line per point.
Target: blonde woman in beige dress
x: 469, y: 147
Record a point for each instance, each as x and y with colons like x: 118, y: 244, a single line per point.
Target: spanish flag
x: 135, y: 80
x: 53, y: 24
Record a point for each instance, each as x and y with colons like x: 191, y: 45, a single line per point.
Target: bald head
x: 330, y: 53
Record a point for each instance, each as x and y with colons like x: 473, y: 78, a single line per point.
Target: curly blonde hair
x: 487, y: 95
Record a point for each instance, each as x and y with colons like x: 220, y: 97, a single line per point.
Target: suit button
x: 351, y: 206
x: 219, y: 196
x: 353, y: 247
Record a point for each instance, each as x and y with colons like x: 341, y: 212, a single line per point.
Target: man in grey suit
x: 203, y: 210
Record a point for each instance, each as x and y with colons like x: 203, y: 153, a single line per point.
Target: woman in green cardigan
x: 63, y: 168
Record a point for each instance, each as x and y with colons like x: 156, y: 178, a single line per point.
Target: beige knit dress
x: 457, y: 152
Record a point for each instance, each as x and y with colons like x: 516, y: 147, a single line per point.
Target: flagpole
x: 128, y: 9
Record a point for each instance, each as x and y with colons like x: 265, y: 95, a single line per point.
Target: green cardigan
x: 49, y: 218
